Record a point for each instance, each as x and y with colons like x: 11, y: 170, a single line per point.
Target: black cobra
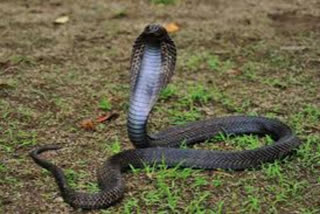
x: 152, y: 65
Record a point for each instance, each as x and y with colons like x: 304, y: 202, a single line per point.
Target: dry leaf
x: 88, y: 124
x: 61, y: 20
x: 172, y: 27
x: 108, y: 116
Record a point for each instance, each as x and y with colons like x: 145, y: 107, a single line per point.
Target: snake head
x: 155, y: 32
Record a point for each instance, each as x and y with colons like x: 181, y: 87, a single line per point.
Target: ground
x: 234, y: 57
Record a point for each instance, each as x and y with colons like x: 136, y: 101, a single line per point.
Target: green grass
x: 168, y: 92
x: 164, y: 2
x: 105, y: 104
x: 212, y: 62
x: 114, y: 147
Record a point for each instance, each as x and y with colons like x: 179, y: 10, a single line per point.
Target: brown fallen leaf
x: 88, y: 124
x: 61, y: 20
x: 172, y: 27
x: 108, y: 116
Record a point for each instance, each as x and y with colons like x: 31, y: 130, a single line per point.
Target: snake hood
x: 152, y: 65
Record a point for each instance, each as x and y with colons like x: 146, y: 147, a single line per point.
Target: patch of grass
x: 207, y: 60
x: 196, y: 205
x: 72, y: 177
x: 217, y: 181
x: 18, y: 139
x: 194, y: 61
x: 105, y: 104
x: 252, y: 204
x: 10, y: 180
x: 250, y: 69
x: 164, y: 2
x: 311, y: 210
x: 131, y: 206
x: 213, y: 62
x: 274, y: 82
x: 231, y: 142
x: 26, y: 138
x: 199, y: 181
x: 228, y: 103
x: 20, y: 59
x: 199, y: 94
x: 168, y: 92
x: 165, y: 182
x: 195, y: 95
x: 273, y: 170
x: 219, y: 207
x: 277, y: 59
x: 309, y: 151
x: 3, y: 168
x: 308, y: 117
x: 178, y: 117
x: 114, y: 147
x: 76, y: 181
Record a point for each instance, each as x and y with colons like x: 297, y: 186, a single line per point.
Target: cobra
x: 152, y: 66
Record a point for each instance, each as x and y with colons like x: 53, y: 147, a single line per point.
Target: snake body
x: 152, y: 65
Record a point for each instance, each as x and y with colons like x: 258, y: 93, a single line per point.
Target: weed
x: 105, y: 104
x: 114, y: 147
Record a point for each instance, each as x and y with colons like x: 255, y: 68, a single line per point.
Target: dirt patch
x: 293, y: 22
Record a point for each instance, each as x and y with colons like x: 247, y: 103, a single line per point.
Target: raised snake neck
x: 152, y: 65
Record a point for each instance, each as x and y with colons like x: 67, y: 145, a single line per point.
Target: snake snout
x: 155, y: 31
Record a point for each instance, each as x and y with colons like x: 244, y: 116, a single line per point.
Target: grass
x: 105, y: 105
x: 164, y: 2
x: 52, y: 77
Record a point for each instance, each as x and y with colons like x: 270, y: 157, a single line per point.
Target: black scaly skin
x: 152, y: 65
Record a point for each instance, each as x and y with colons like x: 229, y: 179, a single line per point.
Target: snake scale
x: 152, y: 65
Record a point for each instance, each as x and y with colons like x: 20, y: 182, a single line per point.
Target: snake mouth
x: 155, y: 32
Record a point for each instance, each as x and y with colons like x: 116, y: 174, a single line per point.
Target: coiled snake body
x: 152, y: 65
